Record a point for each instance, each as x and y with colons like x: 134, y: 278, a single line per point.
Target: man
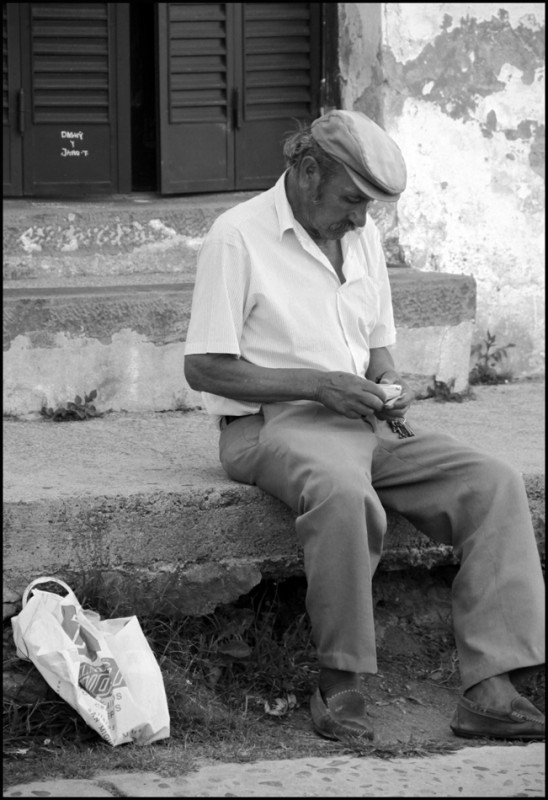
x: 289, y: 341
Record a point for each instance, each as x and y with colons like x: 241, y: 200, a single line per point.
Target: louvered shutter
x: 70, y: 69
x: 196, y: 73
x: 234, y: 78
x: 277, y: 60
x: 12, y: 170
x: 73, y: 71
x: 281, y: 75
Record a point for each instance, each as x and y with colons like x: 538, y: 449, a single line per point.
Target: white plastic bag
x: 104, y: 669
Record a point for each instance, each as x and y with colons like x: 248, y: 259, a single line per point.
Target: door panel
x: 12, y: 157
x: 233, y: 79
x: 71, y: 66
x: 195, y: 72
x: 280, y: 77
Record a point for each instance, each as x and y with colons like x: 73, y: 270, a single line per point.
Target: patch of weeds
x: 409, y: 749
x: 447, y: 671
x: 238, y: 683
x: 444, y: 392
x: 245, y: 657
x: 234, y: 681
x: 41, y: 758
x: 49, y: 718
x: 78, y: 410
x: 488, y: 368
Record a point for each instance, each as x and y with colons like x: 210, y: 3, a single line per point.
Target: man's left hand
x: 402, y: 404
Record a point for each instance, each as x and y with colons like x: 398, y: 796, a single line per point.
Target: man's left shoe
x: 523, y: 721
x: 342, y: 715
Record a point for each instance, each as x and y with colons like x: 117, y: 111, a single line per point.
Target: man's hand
x: 350, y: 395
x: 401, y: 406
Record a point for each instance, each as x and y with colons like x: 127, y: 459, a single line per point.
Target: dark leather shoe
x: 523, y: 721
x: 342, y: 715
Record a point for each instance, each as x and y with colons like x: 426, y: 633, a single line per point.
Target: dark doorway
x: 143, y: 58
x: 159, y: 97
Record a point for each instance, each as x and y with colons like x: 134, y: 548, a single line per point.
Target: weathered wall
x: 461, y: 89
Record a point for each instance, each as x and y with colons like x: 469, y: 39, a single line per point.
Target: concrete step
x: 52, y: 244
x: 127, y: 339
x: 140, y: 504
x: 97, y: 295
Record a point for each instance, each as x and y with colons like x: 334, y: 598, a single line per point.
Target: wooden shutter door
x: 12, y: 164
x: 196, y: 74
x: 76, y: 81
x: 280, y: 78
x: 233, y: 79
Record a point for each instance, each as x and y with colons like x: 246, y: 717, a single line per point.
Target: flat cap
x: 372, y: 159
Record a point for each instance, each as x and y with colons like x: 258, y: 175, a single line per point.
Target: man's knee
x: 496, y: 476
x: 345, y: 493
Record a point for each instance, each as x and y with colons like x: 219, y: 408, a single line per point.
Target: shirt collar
x: 286, y: 220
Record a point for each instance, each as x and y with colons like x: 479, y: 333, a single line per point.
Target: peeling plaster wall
x: 460, y: 87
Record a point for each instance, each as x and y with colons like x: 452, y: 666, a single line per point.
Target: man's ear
x: 309, y: 174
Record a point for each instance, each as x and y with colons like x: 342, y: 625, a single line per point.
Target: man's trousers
x: 339, y: 475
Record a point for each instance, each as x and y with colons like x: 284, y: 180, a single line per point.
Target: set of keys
x: 401, y: 427
x: 392, y: 391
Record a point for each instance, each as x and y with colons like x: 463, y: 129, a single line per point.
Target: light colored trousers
x: 339, y: 475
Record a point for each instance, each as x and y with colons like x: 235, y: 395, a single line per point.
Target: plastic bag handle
x: 36, y: 581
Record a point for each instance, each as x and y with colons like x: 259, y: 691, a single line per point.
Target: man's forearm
x: 238, y: 379
x: 381, y: 366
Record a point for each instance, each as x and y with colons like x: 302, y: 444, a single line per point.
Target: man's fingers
x: 350, y: 395
x: 370, y: 403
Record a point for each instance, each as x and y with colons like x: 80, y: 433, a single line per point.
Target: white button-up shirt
x: 265, y: 291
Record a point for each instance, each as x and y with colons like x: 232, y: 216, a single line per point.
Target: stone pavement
x: 490, y: 771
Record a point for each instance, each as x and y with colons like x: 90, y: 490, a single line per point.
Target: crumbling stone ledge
x: 182, y: 553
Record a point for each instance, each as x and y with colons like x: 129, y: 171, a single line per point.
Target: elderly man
x: 289, y: 341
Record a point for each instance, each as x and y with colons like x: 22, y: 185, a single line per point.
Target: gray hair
x: 300, y: 144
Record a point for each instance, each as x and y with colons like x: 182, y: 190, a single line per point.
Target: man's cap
x: 372, y: 159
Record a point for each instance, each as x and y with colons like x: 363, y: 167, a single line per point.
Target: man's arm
x: 238, y: 379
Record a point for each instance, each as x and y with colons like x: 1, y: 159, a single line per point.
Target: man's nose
x: 359, y: 214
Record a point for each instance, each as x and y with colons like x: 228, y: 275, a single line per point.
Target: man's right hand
x: 349, y: 395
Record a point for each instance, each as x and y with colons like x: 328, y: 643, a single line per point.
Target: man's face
x: 336, y: 207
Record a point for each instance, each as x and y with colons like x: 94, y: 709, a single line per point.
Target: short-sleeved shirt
x: 265, y: 291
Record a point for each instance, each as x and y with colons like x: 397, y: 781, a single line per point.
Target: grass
x: 219, y: 671
x: 223, y: 674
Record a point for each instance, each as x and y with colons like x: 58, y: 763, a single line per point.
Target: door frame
x: 330, y: 79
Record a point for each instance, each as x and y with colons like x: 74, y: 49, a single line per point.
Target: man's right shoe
x: 524, y: 721
x: 341, y: 716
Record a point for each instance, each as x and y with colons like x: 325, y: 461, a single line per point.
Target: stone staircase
x: 97, y: 296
